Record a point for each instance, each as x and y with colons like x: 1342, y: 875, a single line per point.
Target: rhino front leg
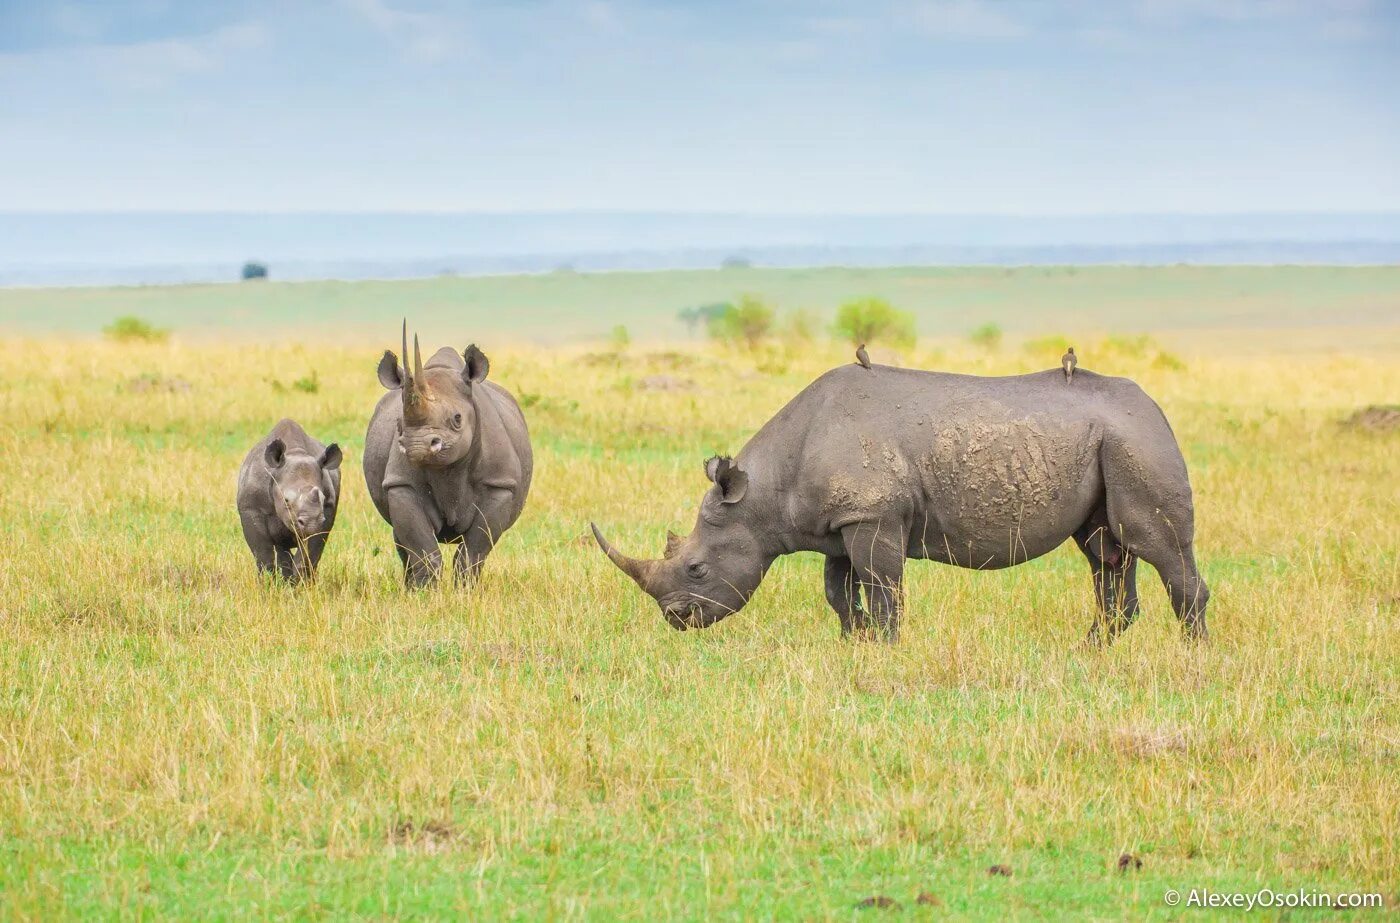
x: 494, y: 516
x: 843, y: 595
x: 309, y: 559
x: 264, y: 554
x: 876, y: 551
x: 287, y: 565
x: 414, y: 537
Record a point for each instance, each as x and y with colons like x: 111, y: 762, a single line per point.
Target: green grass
x: 179, y: 740
x: 560, y: 307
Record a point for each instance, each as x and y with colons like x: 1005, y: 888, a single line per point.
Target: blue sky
x: 928, y: 106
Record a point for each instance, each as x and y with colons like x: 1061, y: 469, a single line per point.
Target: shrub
x: 619, y: 338
x: 750, y: 321
x: 866, y: 320
x: 130, y: 328
x: 254, y: 271
x: 694, y: 316
x: 736, y: 262
x: 309, y: 383
x: 987, y: 336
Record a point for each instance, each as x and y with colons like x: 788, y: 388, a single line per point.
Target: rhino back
x: 972, y: 462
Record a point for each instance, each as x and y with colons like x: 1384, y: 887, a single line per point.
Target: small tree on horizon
x: 750, y: 320
x: 253, y: 271
x: 868, y: 320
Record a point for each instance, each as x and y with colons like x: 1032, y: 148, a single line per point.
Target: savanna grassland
x: 179, y: 739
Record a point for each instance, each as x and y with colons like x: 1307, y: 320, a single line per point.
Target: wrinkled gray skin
x: 870, y: 467
x: 447, y: 459
x: 288, y: 489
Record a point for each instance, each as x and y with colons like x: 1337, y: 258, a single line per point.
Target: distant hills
x: 159, y: 248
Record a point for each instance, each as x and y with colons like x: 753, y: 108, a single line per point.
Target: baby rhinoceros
x: 288, y: 488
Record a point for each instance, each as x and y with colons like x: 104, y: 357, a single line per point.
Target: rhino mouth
x: 688, y: 613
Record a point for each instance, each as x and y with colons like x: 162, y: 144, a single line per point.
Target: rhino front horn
x: 639, y: 571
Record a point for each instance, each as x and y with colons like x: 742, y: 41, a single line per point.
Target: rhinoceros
x: 872, y: 466
x: 288, y: 488
x: 447, y: 459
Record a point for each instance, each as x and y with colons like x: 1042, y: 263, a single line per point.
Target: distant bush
x: 749, y: 321
x: 736, y: 262
x: 701, y: 314
x: 987, y: 336
x: 619, y: 338
x: 867, y: 320
x: 254, y: 271
x: 128, y: 328
x: 309, y: 384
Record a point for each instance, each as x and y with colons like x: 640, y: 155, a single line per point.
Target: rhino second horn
x: 639, y: 571
x: 412, y: 380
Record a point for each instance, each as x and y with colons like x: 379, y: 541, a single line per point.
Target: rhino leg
x: 494, y: 509
x: 414, y: 537
x: 1151, y: 513
x: 1115, y: 581
x: 876, y: 551
x: 287, y: 565
x: 258, y: 543
x: 1188, y: 592
x: 467, y: 562
x: 310, y: 557
x: 843, y: 595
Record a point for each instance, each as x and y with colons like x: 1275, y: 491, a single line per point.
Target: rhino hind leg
x: 843, y: 594
x: 876, y: 551
x: 1151, y: 515
x: 1115, y: 580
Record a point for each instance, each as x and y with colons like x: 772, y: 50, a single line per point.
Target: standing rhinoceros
x: 288, y: 488
x: 870, y: 467
x: 447, y: 459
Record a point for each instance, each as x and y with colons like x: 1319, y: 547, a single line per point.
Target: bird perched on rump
x: 1068, y: 362
x: 862, y: 356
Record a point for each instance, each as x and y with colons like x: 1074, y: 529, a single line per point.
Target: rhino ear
x: 673, y: 543
x: 477, y: 365
x: 732, y: 482
x: 712, y: 467
x: 330, y: 459
x: 275, y: 454
x: 390, y: 375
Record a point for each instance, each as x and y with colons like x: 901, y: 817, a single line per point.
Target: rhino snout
x: 435, y: 445
x: 679, y: 616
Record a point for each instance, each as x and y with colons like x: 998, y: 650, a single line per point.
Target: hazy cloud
x: 965, y: 19
x: 427, y: 37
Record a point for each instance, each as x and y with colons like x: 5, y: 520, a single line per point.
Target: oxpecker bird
x: 1068, y: 362
x: 862, y: 356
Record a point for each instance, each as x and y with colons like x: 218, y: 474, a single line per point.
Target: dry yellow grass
x: 178, y: 739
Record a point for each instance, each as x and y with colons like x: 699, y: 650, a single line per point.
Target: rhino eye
x: 456, y: 421
x: 698, y: 570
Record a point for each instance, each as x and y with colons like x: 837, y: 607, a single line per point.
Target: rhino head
x: 711, y: 572
x: 439, y: 413
x: 302, y: 493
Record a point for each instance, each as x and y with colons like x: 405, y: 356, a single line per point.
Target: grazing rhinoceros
x: 872, y: 466
x: 288, y: 488
x: 447, y: 459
